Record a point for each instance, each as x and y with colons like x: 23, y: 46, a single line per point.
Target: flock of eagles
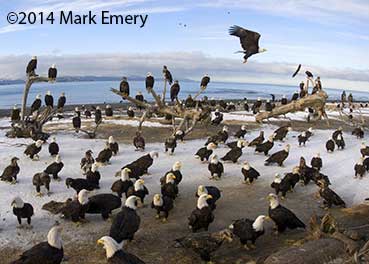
x: 131, y: 186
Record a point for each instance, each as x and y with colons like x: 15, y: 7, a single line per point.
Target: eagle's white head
x: 124, y: 174
x: 83, y: 196
x: 54, y: 237
x: 262, y: 50
x: 110, y: 245
x: 17, y: 202
x: 202, y: 200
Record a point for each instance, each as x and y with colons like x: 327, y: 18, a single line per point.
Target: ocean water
x: 99, y: 91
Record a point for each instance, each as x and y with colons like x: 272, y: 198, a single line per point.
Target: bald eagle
x: 49, y: 252
x: 149, y: 82
x: 174, y: 90
x: 124, y: 86
x: 31, y: 67
x: 104, y: 204
x: 52, y: 73
x: 33, y: 149
x: 162, y: 203
x: 126, y: 222
x: 278, y: 157
x: 123, y: 184
x: 115, y: 254
x: 205, y: 81
x: 249, y: 41
x: 329, y: 196
x: 36, y: 104
x: 282, y: 217
x: 202, y: 216
x: 10, y: 172
x: 138, y: 189
x: 258, y: 140
x: 54, y: 168
x: 22, y: 210
x: 167, y: 75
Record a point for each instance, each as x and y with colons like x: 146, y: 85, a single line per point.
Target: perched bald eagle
x: 55, y: 167
x: 36, y: 104
x: 126, y: 222
x: 115, y: 254
x: 281, y: 185
x: 31, y: 67
x: 50, y: 252
x: 167, y: 75
x: 170, y: 144
x: 49, y: 99
x: 176, y: 170
x: 162, y: 203
x: 139, y: 142
x: 282, y: 217
x: 80, y: 184
x: 149, y: 82
x: 249, y: 41
x: 205, y: 81
x: 109, y: 111
x: 15, y: 114
x: 204, y: 243
x: 241, y: 132
x: 235, y: 153
x: 248, y: 230
x: 52, y: 73
x: 10, y: 172
x: 281, y: 133
x: 145, y: 162
x: 22, y: 210
x: 174, y: 90
x: 124, y: 86
x: 98, y: 116
x: 61, y: 101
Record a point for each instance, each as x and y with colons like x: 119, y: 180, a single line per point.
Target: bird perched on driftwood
x: 249, y: 41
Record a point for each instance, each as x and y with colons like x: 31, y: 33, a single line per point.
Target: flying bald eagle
x: 249, y: 41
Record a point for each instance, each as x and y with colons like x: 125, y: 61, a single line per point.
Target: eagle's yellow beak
x: 100, y: 242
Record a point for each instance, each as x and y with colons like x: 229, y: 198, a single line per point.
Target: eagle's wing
x: 249, y: 39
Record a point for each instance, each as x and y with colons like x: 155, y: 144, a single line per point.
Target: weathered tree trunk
x: 316, y: 101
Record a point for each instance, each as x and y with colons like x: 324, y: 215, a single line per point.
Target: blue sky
x: 329, y: 37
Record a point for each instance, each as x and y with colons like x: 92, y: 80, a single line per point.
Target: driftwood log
x: 190, y: 116
x: 316, y: 101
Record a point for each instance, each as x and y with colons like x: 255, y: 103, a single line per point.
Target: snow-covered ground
x: 338, y: 166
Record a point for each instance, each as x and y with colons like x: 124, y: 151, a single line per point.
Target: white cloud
x: 191, y: 65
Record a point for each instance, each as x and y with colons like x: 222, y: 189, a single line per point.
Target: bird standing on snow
x: 113, y: 145
x: 162, y: 203
x: 281, y: 185
x: 216, y: 168
x: 41, y: 179
x: 80, y: 184
x: 330, y: 145
x: 317, y: 162
x: 202, y: 216
x: 52, y: 73
x: 282, y: 217
x: 126, y: 222
x: 55, y: 167
x: 31, y: 67
x: 22, y: 210
x: 358, y: 132
x: 329, y: 196
x: 87, y: 161
x: 33, y: 149
x: 248, y: 230
x: 139, y: 141
x: 53, y: 147
x: 115, y: 254
x: 205, y: 152
x: 10, y: 172
x: 364, y: 149
x: 249, y: 41
x: 170, y: 188
x: 302, y: 138
x: 258, y: 140
x: 93, y: 175
x: 266, y: 146
x: 279, y: 157
x: 105, y: 155
x: 360, y: 168
x: 211, y: 190
x: 281, y: 133
x: 49, y: 99
x: 49, y: 252
x: 235, y: 153
x: 139, y: 190
x: 241, y: 133
x: 103, y: 204
x: 76, y: 209
x: 123, y: 184
x: 340, y: 142
x: 176, y: 170
x: 249, y: 173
